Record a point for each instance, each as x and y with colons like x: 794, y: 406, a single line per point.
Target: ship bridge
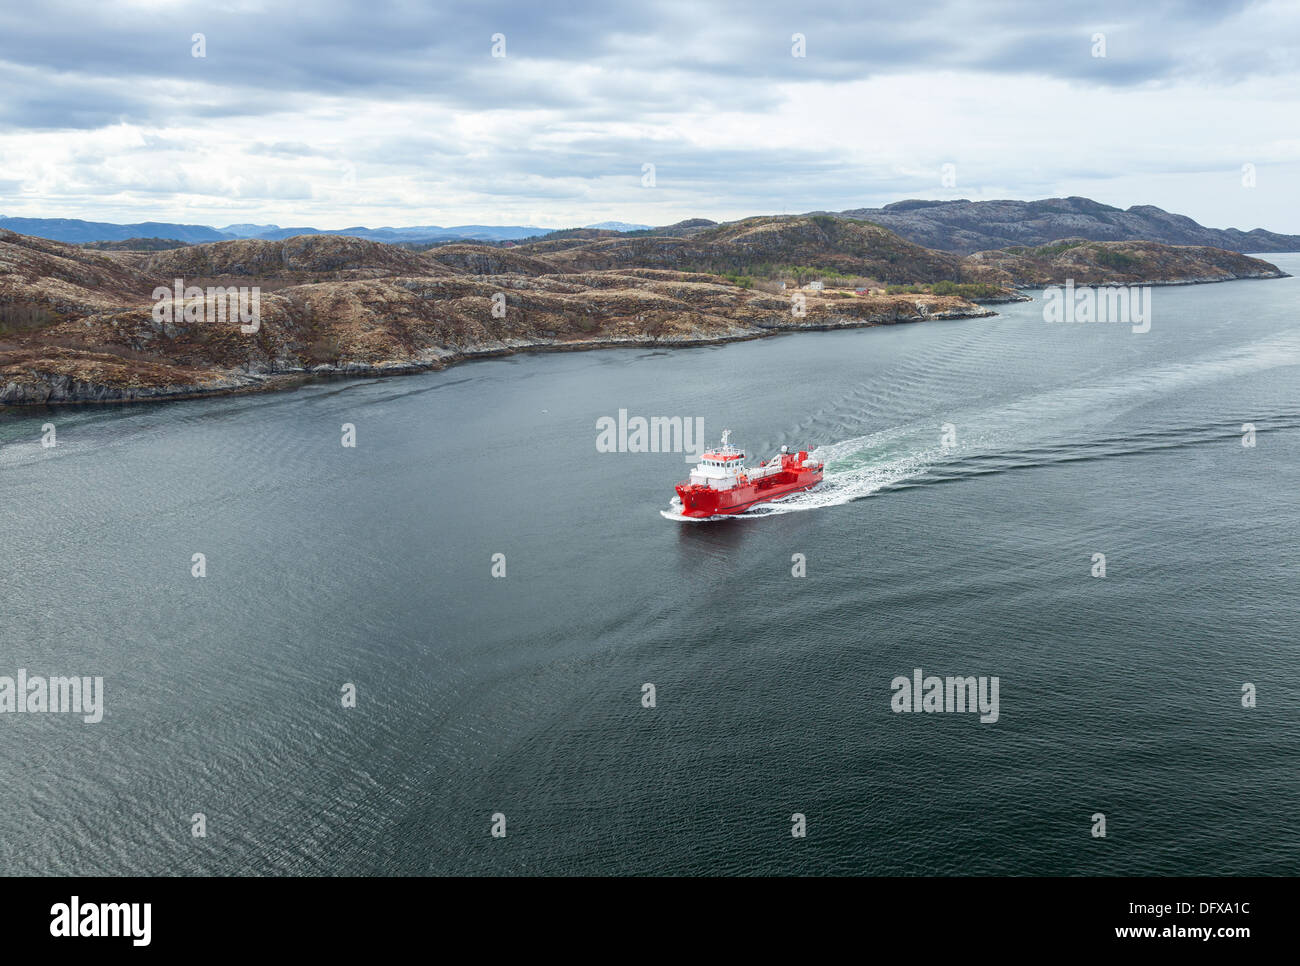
x: 721, y: 467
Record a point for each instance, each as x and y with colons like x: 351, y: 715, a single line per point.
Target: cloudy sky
x: 334, y: 114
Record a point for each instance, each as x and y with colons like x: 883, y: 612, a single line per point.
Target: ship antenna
x: 726, y: 435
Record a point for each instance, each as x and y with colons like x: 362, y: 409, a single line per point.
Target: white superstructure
x: 724, y: 467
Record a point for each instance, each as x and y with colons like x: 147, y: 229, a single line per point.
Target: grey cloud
x: 658, y: 54
x: 87, y: 66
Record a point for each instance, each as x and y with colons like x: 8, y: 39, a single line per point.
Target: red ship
x: 722, y: 485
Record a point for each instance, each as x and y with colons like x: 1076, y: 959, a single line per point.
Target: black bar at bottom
x: 215, y: 916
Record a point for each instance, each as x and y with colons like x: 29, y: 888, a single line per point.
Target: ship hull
x: 700, y: 502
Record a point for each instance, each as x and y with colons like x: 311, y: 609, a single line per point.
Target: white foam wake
x: 858, y: 467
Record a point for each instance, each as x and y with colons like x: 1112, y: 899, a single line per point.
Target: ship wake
x: 1103, y: 418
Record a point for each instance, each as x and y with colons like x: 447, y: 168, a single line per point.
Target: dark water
x: 522, y: 695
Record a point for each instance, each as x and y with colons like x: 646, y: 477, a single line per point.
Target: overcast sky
x: 332, y: 114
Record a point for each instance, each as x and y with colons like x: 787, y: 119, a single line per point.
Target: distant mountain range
x: 962, y: 227
x: 75, y: 231
x: 974, y: 226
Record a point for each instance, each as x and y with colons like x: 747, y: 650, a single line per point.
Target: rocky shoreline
x: 1164, y: 283
x: 42, y: 389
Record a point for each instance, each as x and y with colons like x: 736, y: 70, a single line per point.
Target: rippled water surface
x: 522, y: 695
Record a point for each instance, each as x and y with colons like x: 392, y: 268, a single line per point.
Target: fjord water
x: 522, y: 696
